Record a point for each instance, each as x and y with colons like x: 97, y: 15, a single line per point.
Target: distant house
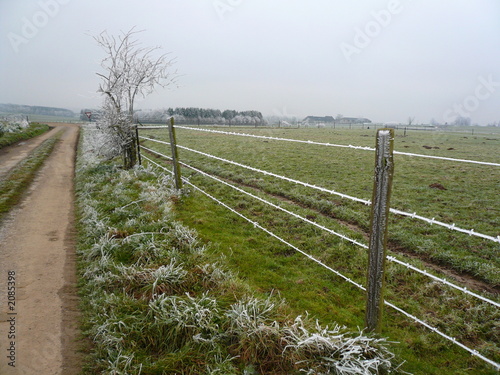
x: 330, y: 120
x: 353, y: 120
x: 318, y: 120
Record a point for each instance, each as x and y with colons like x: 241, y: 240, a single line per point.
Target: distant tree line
x: 35, y: 110
x: 193, y: 116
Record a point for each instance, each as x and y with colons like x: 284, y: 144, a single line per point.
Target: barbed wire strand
x: 390, y: 258
x: 453, y: 227
x: 305, y: 184
x: 449, y: 338
x: 365, y: 148
x: 441, y: 280
x: 417, y: 320
x: 257, y: 225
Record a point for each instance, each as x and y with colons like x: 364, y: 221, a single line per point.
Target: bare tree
x: 410, y: 120
x: 129, y: 71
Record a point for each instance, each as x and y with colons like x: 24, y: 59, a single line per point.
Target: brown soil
x: 11, y: 155
x: 37, y: 242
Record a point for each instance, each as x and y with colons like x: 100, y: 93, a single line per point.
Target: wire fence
x: 308, y: 221
x: 335, y: 233
x: 412, y: 215
x: 330, y: 145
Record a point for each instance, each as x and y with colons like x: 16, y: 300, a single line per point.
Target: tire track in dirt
x: 37, y: 243
x: 11, y: 155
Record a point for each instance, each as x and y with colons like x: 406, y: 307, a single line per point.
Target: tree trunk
x: 129, y: 153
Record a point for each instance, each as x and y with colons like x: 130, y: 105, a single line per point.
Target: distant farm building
x: 318, y: 120
x: 353, y: 120
x: 331, y: 121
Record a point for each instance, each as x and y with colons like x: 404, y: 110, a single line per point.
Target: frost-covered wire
x: 412, y: 317
x: 449, y: 338
x: 448, y: 159
x: 364, y: 201
x: 277, y: 138
x: 331, y: 145
x: 278, y: 207
x: 441, y: 280
x: 257, y: 225
x: 390, y: 258
x: 470, y: 232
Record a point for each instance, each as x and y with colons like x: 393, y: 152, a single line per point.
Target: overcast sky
x: 384, y: 60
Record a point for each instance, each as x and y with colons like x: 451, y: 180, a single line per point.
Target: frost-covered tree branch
x: 129, y: 70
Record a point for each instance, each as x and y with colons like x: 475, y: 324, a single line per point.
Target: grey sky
x: 385, y: 60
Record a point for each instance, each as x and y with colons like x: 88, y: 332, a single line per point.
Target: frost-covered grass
x: 269, y: 265
x: 13, y: 124
x: 18, y: 130
x: 158, y: 300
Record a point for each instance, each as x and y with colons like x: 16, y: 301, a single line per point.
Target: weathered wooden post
x: 384, y: 168
x: 175, y: 156
x: 138, y: 145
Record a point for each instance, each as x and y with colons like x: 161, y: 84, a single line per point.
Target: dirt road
x: 38, y: 303
x: 11, y: 155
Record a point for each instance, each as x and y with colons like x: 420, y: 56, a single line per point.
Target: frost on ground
x: 158, y: 300
x: 12, y: 124
x: 94, y: 146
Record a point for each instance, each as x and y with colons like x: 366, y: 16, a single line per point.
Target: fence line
x: 453, y: 227
x: 449, y: 338
x: 257, y: 225
x: 415, y: 319
x: 268, y: 203
x: 444, y: 281
x: 305, y: 184
x: 470, y: 232
x: 331, y: 145
x: 390, y: 258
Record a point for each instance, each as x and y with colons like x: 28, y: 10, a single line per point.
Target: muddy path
x: 39, y: 316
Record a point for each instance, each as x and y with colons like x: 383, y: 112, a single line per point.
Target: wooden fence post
x: 384, y: 168
x: 138, y: 145
x: 175, y: 156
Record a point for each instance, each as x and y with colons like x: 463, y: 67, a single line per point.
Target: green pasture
x: 468, y: 198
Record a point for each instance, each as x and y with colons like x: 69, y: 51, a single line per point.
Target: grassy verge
x: 13, y: 186
x: 32, y: 131
x: 157, y: 299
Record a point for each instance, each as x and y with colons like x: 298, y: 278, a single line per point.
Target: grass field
x: 31, y: 131
x: 469, y: 201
